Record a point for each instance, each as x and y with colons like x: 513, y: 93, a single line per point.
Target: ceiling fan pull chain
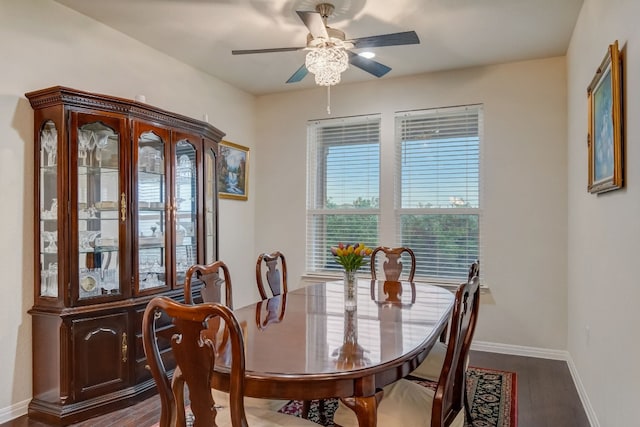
x: 329, y: 100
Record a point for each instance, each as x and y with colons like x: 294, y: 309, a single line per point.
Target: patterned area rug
x: 492, y: 395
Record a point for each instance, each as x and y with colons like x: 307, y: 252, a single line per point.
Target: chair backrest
x: 209, y: 274
x: 275, y: 274
x: 392, y: 265
x: 450, y: 393
x: 195, y: 356
x: 474, y: 270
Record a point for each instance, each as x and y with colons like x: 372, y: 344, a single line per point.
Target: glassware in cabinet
x: 48, y: 200
x: 98, y: 210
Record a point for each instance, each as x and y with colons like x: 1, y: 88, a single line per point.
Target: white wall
x: 45, y: 44
x: 604, y: 230
x: 524, y: 176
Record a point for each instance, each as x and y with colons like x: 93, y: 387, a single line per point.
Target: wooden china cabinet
x: 125, y: 202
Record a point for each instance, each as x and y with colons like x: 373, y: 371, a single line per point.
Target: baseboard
x: 520, y: 350
x: 544, y: 353
x: 14, y: 411
x: 588, y: 408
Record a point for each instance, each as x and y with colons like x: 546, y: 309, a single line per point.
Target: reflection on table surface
x: 308, y: 332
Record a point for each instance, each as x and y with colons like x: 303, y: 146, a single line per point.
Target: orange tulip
x: 351, y: 256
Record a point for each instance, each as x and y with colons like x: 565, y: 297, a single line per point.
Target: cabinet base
x: 62, y: 415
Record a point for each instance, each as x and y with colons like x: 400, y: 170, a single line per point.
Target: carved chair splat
x: 392, y: 265
x: 275, y: 274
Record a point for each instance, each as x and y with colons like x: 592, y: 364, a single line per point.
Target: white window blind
x: 438, y: 189
x: 343, y: 187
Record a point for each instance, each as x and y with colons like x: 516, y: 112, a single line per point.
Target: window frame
x: 400, y: 211
x: 317, y: 247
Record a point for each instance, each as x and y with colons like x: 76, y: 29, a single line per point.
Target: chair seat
x: 222, y: 399
x: 404, y: 404
x: 262, y: 417
x: 431, y: 367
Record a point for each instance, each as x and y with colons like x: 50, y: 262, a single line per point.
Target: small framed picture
x: 605, y: 143
x: 233, y: 171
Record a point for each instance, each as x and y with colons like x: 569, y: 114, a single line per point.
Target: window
x: 433, y: 205
x: 437, y: 181
x: 343, y: 187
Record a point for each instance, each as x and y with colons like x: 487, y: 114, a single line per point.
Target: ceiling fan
x: 328, y: 47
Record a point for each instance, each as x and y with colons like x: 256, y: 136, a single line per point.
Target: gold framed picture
x: 233, y: 171
x: 604, y: 142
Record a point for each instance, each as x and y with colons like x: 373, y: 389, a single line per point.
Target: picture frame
x: 604, y: 141
x: 233, y: 171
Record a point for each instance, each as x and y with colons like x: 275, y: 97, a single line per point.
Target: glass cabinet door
x: 48, y: 210
x: 152, y: 209
x: 211, y: 195
x: 185, y: 193
x: 98, y: 206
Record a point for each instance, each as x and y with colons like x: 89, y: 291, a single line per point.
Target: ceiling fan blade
x: 314, y: 23
x: 368, y: 65
x: 300, y: 74
x: 395, y: 39
x: 275, y: 49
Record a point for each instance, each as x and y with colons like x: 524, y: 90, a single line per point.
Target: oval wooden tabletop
x: 305, y: 345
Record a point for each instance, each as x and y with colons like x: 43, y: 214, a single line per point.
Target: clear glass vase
x: 350, y: 290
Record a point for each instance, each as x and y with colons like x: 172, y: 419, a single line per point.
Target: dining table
x: 306, y: 345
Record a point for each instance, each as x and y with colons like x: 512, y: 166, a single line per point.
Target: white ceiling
x: 453, y: 33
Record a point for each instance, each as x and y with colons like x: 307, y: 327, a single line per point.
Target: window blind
x: 343, y: 187
x: 438, y: 188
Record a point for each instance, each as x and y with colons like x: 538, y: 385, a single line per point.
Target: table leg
x: 366, y: 409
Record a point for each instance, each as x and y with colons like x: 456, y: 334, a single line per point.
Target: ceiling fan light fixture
x: 367, y: 54
x: 327, y: 63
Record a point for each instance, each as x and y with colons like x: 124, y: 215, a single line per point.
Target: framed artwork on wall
x: 233, y: 171
x: 604, y: 142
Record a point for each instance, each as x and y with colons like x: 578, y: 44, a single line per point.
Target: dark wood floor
x: 547, y: 397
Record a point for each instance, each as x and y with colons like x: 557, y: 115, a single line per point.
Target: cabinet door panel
x: 210, y: 202
x: 101, y: 348
x: 186, y: 204
x: 48, y: 218
x: 164, y: 332
x: 98, y: 206
x: 151, y: 205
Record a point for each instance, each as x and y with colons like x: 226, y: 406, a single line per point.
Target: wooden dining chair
x: 272, y: 269
x: 431, y: 367
x: 405, y: 403
x: 275, y: 274
x: 392, y: 263
x: 211, y: 290
x: 195, y: 353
